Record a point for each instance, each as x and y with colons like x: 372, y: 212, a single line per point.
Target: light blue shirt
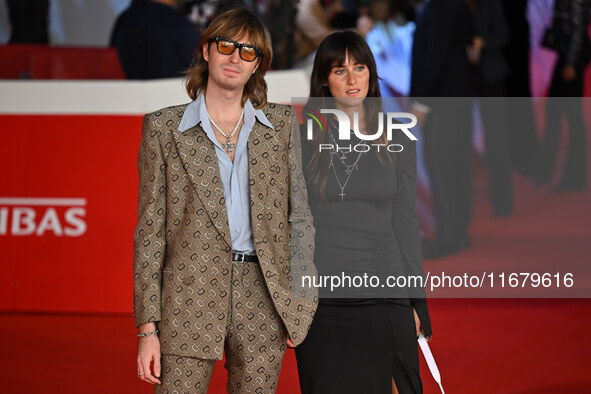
x: 234, y: 175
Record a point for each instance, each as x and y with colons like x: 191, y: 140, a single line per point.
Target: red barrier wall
x: 25, y: 61
x: 72, y: 252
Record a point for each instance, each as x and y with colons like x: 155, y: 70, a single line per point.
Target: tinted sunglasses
x: 248, y: 53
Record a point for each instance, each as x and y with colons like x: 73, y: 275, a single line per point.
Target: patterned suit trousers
x: 254, y: 345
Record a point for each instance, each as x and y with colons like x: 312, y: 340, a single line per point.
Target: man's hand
x: 475, y: 50
x: 148, y: 355
x: 478, y: 43
x: 290, y: 343
x: 569, y: 73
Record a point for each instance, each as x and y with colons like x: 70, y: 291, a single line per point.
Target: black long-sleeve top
x: 374, y: 230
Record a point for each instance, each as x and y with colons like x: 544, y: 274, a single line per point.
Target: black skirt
x: 358, y: 346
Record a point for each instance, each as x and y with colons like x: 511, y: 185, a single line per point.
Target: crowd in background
x: 460, y: 48
x: 296, y: 27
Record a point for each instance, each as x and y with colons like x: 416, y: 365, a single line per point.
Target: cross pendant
x: 342, y: 194
x: 228, y: 146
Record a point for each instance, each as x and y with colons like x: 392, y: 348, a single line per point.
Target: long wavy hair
x: 235, y: 22
x: 333, y: 52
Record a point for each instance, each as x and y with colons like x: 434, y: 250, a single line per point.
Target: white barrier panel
x: 123, y: 97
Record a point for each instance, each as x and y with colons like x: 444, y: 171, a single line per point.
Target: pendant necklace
x: 349, y: 168
x: 228, y: 146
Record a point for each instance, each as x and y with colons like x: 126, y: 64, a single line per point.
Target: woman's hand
x: 419, y: 326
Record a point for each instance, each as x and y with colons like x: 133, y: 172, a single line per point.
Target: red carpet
x: 482, y: 346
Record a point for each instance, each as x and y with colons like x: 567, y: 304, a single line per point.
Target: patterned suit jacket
x: 182, y: 245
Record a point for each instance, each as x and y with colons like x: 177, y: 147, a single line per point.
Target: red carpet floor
x: 481, y: 346
x: 523, y: 346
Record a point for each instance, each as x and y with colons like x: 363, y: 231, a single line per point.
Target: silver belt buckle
x: 239, y: 255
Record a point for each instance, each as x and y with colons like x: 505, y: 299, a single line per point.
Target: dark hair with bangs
x: 333, y: 52
x: 234, y: 23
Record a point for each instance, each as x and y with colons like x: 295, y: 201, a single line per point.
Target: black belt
x: 244, y: 258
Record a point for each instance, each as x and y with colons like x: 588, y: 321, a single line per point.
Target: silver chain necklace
x: 349, y: 168
x: 228, y: 146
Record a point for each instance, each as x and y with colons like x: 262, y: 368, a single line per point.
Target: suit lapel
x: 260, y: 149
x: 199, y: 160
x: 257, y: 169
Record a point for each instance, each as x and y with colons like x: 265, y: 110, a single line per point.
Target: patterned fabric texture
x: 182, y: 246
x: 255, y: 343
x: 184, y: 375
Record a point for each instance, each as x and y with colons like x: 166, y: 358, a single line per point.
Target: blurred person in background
x: 403, y: 11
x: 279, y: 17
x: 570, y: 29
x: 440, y: 69
x: 523, y: 142
x: 391, y: 43
x: 154, y: 40
x: 489, y: 70
x: 364, y: 209
x: 316, y: 19
x: 29, y: 21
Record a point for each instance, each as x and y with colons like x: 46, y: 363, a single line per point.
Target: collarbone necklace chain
x: 349, y: 168
x: 228, y: 146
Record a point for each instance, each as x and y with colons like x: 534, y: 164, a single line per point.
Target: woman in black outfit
x: 363, y: 204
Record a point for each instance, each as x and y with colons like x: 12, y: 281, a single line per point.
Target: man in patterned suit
x: 224, y: 229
